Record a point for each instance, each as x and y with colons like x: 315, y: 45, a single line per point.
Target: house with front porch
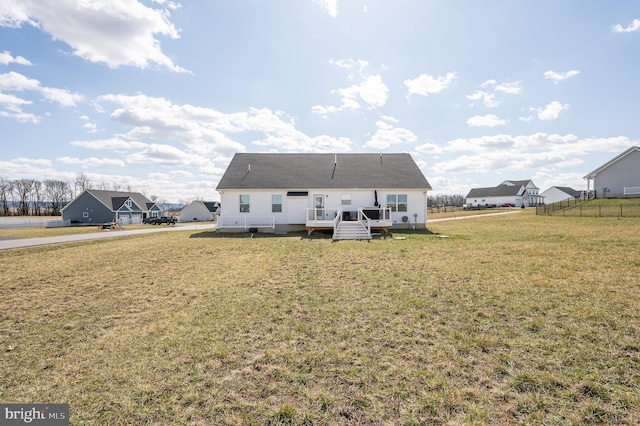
x: 353, y: 195
x: 94, y: 206
x: 512, y: 193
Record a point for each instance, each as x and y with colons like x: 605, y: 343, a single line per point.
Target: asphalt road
x: 7, y: 244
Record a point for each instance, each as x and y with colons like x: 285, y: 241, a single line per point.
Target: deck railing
x: 632, y: 190
x: 320, y: 215
x: 246, y: 222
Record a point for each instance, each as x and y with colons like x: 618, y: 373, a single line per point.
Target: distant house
x: 618, y: 177
x: 556, y: 194
x: 200, y: 211
x: 351, y: 194
x: 98, y: 206
x: 516, y: 193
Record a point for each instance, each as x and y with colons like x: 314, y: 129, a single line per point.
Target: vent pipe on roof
x: 249, y: 171
x: 335, y: 159
x: 380, y: 158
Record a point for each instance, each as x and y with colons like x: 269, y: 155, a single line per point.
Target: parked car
x: 160, y: 220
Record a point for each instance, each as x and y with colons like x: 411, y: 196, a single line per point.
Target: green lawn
x: 514, y: 319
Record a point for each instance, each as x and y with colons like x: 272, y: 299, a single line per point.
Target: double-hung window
x: 397, y: 202
x: 276, y: 204
x: 244, y: 204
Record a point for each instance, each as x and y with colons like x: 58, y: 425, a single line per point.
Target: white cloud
x: 372, y: 91
x: 206, y: 132
x: 551, y: 111
x: 523, y: 153
x: 557, y: 77
x: 429, y: 148
x: 634, y: 26
x: 21, y: 117
x: 61, y: 96
x: 6, y: 59
x: 426, y: 84
x: 331, y: 6
x: 92, y: 162
x: 113, y: 144
x: 489, y: 120
x: 358, y: 64
x: 387, y: 136
x: 168, y: 155
x: 115, y: 33
x: 489, y: 98
x: 13, y: 81
x: 12, y: 103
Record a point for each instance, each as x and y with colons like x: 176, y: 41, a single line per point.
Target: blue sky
x: 157, y: 95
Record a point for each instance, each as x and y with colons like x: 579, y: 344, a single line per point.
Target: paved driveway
x: 6, y: 244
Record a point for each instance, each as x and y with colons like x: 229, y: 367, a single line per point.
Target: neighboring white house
x: 200, y: 211
x: 619, y: 177
x: 515, y: 193
x: 288, y: 192
x: 555, y: 194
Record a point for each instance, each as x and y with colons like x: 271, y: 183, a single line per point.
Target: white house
x: 619, y: 177
x: 515, y: 193
x: 199, y: 211
x: 355, y: 195
x: 555, y: 194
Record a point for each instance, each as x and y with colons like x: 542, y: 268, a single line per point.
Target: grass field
x: 515, y: 319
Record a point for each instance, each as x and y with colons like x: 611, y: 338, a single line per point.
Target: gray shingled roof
x: 519, y: 182
x: 212, y: 206
x: 495, y: 191
x: 569, y: 191
x: 312, y: 171
x: 115, y: 199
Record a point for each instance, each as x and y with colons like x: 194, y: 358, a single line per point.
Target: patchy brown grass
x: 513, y: 319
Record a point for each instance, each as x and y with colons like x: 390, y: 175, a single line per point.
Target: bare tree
x: 6, y: 190
x: 58, y: 192
x: 444, y: 200
x: 80, y: 184
x: 37, y: 198
x: 23, y: 188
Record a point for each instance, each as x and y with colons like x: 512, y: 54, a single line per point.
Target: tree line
x: 446, y: 200
x: 31, y: 197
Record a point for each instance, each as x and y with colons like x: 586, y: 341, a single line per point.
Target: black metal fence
x: 580, y: 208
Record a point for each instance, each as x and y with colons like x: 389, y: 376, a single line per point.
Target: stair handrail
x: 337, y: 220
x: 362, y: 216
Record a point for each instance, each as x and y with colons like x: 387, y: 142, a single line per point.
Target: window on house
x: 128, y: 203
x: 346, y: 200
x: 276, y: 204
x: 85, y: 214
x: 244, y: 204
x: 397, y: 202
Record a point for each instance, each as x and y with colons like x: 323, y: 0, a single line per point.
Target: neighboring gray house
x: 555, y: 194
x: 98, y: 206
x: 351, y: 194
x: 619, y: 177
x: 200, y: 211
x: 514, y: 193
